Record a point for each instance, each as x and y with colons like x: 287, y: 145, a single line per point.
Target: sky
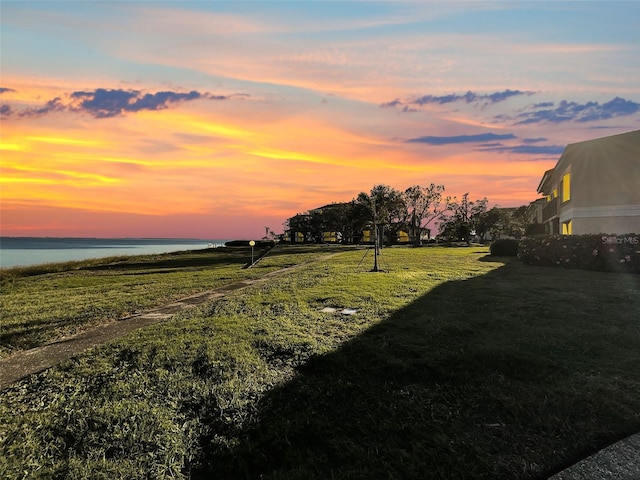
x: 217, y: 119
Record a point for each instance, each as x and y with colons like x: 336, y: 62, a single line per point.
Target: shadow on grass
x: 21, y: 336
x: 480, y: 378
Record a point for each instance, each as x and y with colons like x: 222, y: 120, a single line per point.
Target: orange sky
x: 213, y: 121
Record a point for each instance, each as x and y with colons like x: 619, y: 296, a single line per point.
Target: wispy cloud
x: 5, y: 90
x: 105, y: 103
x: 102, y: 103
x: 525, y: 149
x: 567, y: 111
x: 393, y: 103
x: 54, y: 105
x: 469, y: 98
x: 482, y: 137
x: 492, y: 142
x: 542, y: 105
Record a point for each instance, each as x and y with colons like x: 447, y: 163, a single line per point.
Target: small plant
x: 505, y: 248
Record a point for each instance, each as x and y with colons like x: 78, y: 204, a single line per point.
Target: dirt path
x: 24, y: 363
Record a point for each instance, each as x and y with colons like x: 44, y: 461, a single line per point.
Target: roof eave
x: 546, y: 179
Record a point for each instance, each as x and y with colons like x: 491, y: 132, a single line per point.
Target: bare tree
x: 423, y: 205
x: 464, y: 218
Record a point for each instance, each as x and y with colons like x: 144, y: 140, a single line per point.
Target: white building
x: 595, y: 187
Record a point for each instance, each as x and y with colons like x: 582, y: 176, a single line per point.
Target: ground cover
x: 45, y: 302
x: 455, y: 365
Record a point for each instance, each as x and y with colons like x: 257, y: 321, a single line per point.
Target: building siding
x: 602, y: 191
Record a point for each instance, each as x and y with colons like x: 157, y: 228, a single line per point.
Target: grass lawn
x: 45, y: 302
x: 455, y: 365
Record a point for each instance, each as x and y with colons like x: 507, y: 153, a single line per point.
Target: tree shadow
x: 479, y: 378
x: 23, y: 336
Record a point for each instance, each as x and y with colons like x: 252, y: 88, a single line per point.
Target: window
x: 566, y: 187
x: 567, y: 228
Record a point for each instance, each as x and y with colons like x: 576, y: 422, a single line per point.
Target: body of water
x: 25, y: 251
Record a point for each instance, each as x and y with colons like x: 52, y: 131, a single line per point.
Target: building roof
x: 626, y: 145
x: 546, y: 180
x: 632, y: 137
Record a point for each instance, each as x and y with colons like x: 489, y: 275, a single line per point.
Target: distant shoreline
x: 30, y: 251
x: 23, y: 237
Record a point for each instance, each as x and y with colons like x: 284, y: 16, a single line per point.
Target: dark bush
x: 504, y: 248
x: 534, y: 229
x: 603, y: 252
x: 245, y: 243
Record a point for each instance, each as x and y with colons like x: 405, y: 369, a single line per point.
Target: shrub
x: 245, y: 243
x: 534, y: 229
x: 504, y: 248
x: 610, y: 253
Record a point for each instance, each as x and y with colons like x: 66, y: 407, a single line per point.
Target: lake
x: 25, y: 251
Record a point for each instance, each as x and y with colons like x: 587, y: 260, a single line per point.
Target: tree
x: 423, y: 205
x: 392, y: 213
x: 269, y: 234
x: 385, y: 207
x: 523, y: 222
x: 386, y: 210
x: 300, y: 223
x: 493, y: 222
x: 477, y: 211
x: 356, y: 218
x: 464, y: 218
x: 332, y: 218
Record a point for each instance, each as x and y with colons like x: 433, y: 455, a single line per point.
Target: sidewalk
x: 620, y: 461
x: 26, y: 362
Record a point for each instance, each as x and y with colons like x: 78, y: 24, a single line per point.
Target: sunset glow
x: 216, y: 119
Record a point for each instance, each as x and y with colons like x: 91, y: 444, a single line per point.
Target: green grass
x: 45, y: 302
x: 456, y: 365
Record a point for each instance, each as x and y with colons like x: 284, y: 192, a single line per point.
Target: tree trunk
x: 375, y: 248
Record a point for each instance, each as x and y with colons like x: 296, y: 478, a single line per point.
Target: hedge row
x: 612, y: 253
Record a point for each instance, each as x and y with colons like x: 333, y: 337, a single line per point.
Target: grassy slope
x: 453, y: 367
x: 45, y: 302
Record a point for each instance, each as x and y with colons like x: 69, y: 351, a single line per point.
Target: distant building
x: 318, y: 225
x: 536, y: 209
x: 594, y: 188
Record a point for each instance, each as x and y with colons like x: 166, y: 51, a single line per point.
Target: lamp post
x: 252, y: 244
